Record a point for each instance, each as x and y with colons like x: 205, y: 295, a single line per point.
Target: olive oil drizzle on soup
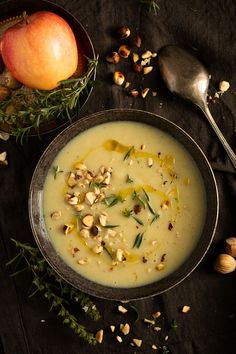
x: 124, y: 204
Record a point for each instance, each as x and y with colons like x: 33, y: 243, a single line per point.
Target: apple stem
x: 25, y: 17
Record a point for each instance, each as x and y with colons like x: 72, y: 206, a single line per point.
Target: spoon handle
x: 225, y: 144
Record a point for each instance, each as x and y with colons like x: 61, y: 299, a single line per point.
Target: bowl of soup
x: 123, y: 204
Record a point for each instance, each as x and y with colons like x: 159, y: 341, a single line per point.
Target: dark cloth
x: 207, y: 28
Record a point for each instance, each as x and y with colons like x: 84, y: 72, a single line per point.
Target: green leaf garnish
x: 56, y: 171
x: 110, y: 226
x: 174, y: 324
x: 108, y: 251
x: 129, y: 179
x: 138, y: 240
x: 112, y: 200
x: 135, y: 195
x: 155, y: 217
x: 150, y: 208
x: 127, y: 212
x: 97, y: 185
x: 137, y: 220
x: 146, y: 195
x: 129, y: 152
x: 152, y: 5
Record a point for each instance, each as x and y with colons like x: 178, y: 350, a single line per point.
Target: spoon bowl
x: 185, y: 76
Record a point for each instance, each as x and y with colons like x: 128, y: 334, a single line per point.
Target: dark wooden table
x: 208, y: 28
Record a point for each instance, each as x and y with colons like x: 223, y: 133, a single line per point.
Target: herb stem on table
x: 54, y: 288
x: 36, y: 107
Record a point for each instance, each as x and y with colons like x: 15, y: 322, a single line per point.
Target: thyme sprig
x: 34, y: 108
x: 152, y: 5
x: 54, y: 288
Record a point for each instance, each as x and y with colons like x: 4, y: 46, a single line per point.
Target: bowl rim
x: 63, y: 13
x: 74, y: 278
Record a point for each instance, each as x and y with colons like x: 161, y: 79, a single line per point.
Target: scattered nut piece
x: 124, y: 51
x: 147, y: 69
x: 118, y: 78
x: 224, y: 86
x: 3, y: 156
x: 122, y: 309
x: 142, y: 146
x: 94, y: 230
x: 103, y: 219
x: 82, y: 261
x: 147, y: 54
x: 79, y: 207
x: 99, y: 336
x: 119, y: 255
x: 230, y: 246
x: 125, y: 328
x: 4, y: 136
x: 98, y: 249
x: 185, y: 309
x: 156, y: 314
x: 160, y: 266
x: 134, y: 93
x: 67, y: 228
x: 88, y: 220
x: 3, y: 159
x: 73, y: 200
x: 157, y: 329
x: 112, y: 327
x: 150, y: 162
x: 224, y: 264
x: 135, y: 57
x: 119, y: 339
x: 146, y: 320
x: 154, y: 347
x: 113, y: 58
x: 56, y: 215
x: 154, y: 55
x: 123, y: 32
x: 145, y: 61
x: 137, y: 342
x: 107, y: 177
x: 90, y: 198
x: 144, y: 92
x: 154, y: 93
x: 127, y: 84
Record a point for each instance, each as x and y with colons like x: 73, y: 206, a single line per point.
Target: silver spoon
x: 186, y: 76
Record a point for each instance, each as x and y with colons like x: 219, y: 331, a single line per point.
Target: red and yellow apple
x: 40, y: 50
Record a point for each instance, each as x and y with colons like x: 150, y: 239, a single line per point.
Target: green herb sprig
x: 112, y: 200
x: 152, y: 5
x: 56, y: 171
x: 138, y: 240
x: 54, y: 288
x: 128, y: 153
x: 33, y: 108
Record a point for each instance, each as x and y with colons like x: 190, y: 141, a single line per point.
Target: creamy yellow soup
x: 124, y: 204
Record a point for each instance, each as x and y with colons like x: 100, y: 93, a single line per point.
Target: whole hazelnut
x: 230, y: 246
x: 224, y: 264
x: 118, y: 78
x: 113, y: 58
x: 137, y: 67
x: 124, y: 51
x: 123, y: 32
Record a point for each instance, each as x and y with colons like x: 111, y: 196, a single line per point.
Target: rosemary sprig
x: 54, y: 288
x: 139, y: 221
x: 138, y: 240
x: 152, y: 5
x: 136, y: 196
x: 128, y: 153
x: 129, y: 179
x: 110, y: 226
x: 112, y: 200
x: 56, y: 171
x: 33, y: 108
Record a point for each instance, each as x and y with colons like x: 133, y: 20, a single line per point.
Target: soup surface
x: 124, y: 204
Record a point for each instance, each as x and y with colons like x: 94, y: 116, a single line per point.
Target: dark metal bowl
x: 39, y: 228
x: 14, y: 8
